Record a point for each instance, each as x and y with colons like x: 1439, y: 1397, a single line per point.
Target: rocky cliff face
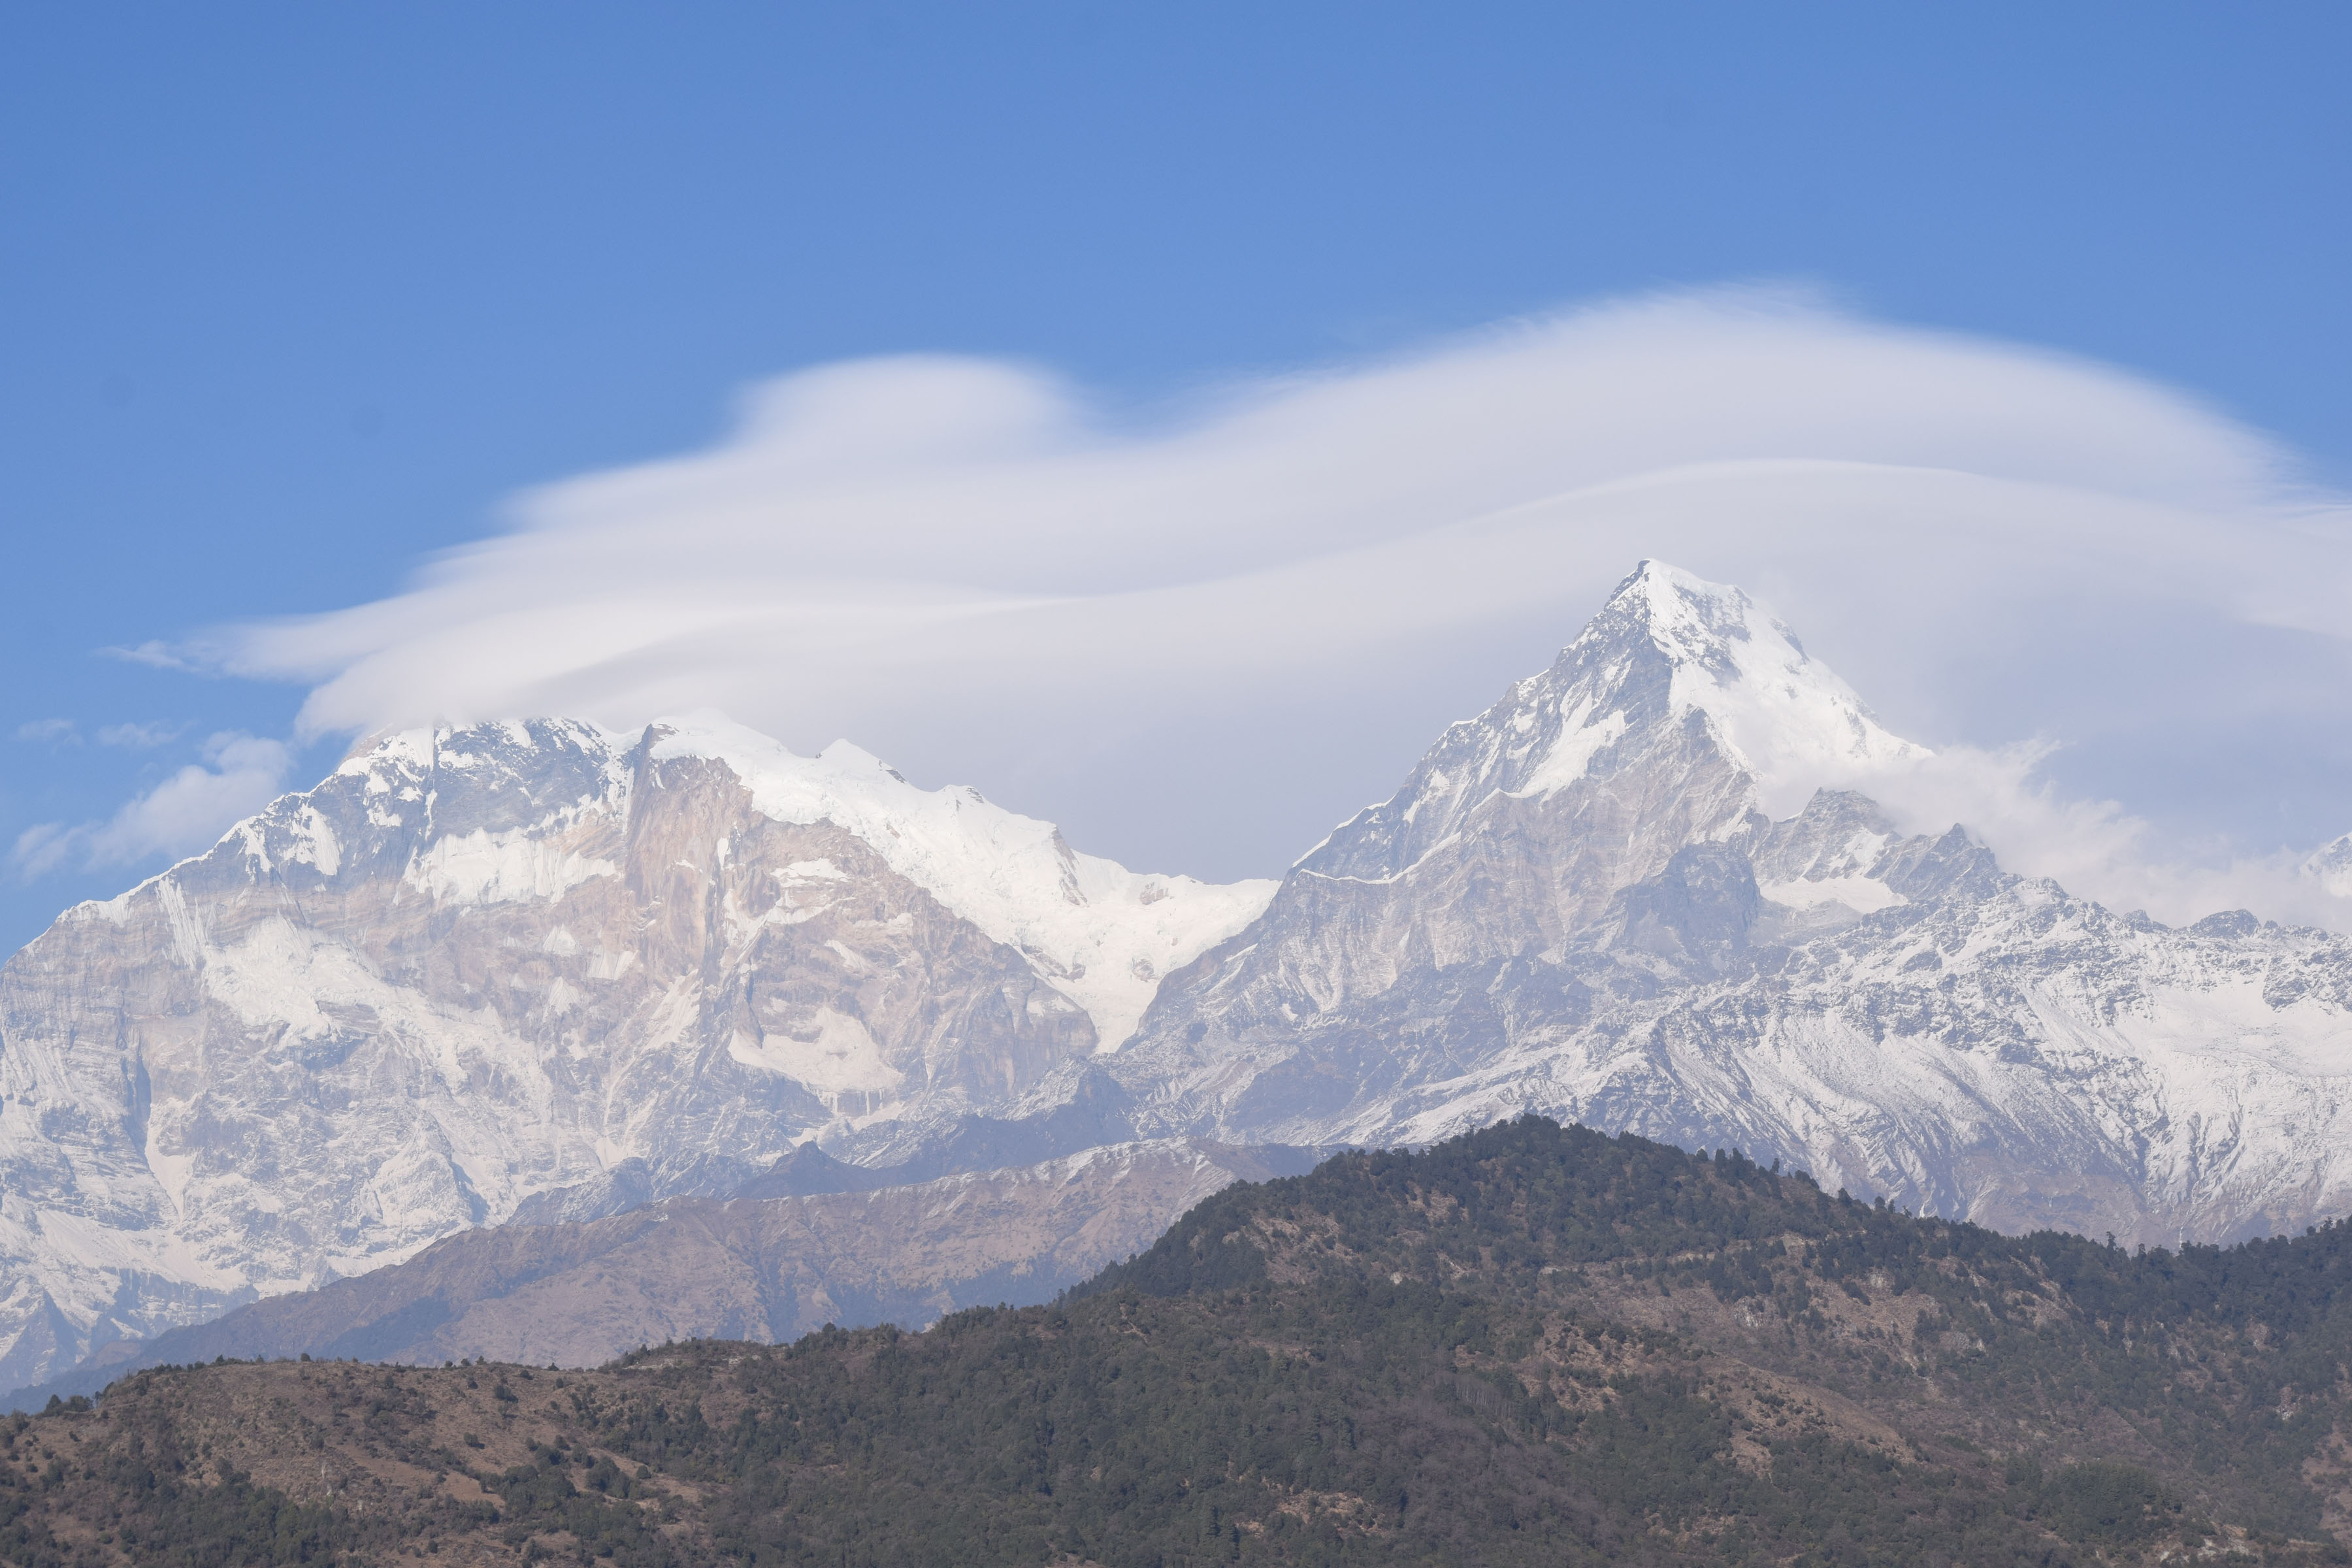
x: 475, y: 967
x: 1581, y: 903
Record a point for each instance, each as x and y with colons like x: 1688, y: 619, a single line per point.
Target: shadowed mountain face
x: 763, y: 1268
x: 1530, y: 1345
x: 1579, y: 904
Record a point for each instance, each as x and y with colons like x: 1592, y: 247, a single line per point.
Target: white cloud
x: 140, y: 737
x: 49, y: 730
x: 155, y: 654
x: 184, y: 813
x: 1199, y: 641
x: 2096, y: 847
x: 42, y: 849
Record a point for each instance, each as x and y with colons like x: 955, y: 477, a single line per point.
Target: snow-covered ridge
x: 1101, y: 934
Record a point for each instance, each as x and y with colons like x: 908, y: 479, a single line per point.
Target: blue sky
x: 294, y: 297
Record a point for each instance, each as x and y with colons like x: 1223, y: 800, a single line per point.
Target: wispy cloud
x: 179, y: 815
x: 157, y: 653
x: 2096, y: 847
x: 140, y: 737
x: 1197, y: 641
x: 131, y: 737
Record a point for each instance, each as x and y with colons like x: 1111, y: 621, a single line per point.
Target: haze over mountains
x: 543, y: 971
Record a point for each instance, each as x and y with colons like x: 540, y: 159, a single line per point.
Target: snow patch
x: 1582, y: 738
x: 314, y: 841
x: 486, y: 867
x: 841, y: 1056
x: 187, y: 930
x: 1863, y: 895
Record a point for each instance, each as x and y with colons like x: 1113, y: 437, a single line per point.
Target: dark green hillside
x: 1529, y: 1345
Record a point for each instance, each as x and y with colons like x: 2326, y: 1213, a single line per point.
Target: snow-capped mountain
x: 478, y: 966
x: 1665, y: 723
x: 1580, y: 903
x: 545, y: 972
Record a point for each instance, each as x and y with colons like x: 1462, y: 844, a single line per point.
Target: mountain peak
x: 1787, y: 719
x: 1682, y: 612
x: 1695, y: 625
x: 1671, y: 661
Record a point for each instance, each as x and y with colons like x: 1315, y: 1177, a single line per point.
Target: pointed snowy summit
x: 1786, y: 715
x: 1675, y: 672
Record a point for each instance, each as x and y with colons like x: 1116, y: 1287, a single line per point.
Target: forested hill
x: 1527, y: 1345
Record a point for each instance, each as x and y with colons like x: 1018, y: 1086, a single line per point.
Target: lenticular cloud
x: 1197, y: 641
